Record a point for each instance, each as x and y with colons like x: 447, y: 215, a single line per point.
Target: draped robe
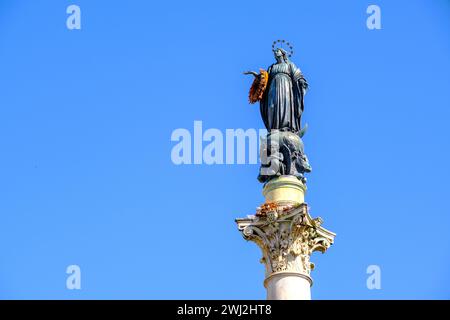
x: 282, y: 104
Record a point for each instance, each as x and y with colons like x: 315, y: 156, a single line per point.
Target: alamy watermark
x: 373, y: 21
x: 213, y: 146
x: 73, y: 21
x: 374, y: 280
x: 73, y: 281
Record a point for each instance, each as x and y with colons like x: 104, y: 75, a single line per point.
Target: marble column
x: 287, y: 235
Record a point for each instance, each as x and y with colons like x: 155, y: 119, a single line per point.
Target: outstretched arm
x: 252, y: 73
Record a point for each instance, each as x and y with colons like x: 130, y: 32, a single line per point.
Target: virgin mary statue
x: 280, y: 91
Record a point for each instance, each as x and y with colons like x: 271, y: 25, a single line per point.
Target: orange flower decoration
x: 258, y: 86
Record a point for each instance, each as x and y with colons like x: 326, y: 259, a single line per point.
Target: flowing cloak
x: 282, y: 104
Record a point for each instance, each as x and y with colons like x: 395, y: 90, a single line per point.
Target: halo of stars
x: 283, y: 42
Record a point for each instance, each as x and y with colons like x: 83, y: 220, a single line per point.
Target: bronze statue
x: 280, y: 91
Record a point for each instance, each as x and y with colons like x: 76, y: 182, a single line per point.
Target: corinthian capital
x: 287, y: 235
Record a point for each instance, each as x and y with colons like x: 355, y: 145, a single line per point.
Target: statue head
x: 281, y: 55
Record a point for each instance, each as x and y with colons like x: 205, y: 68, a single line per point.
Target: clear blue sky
x: 86, y: 117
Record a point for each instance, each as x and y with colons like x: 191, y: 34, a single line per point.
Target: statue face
x: 278, y: 53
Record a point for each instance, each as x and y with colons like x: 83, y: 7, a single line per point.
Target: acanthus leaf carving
x: 287, y: 238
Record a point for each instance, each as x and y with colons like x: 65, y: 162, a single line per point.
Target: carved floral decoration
x: 287, y: 237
